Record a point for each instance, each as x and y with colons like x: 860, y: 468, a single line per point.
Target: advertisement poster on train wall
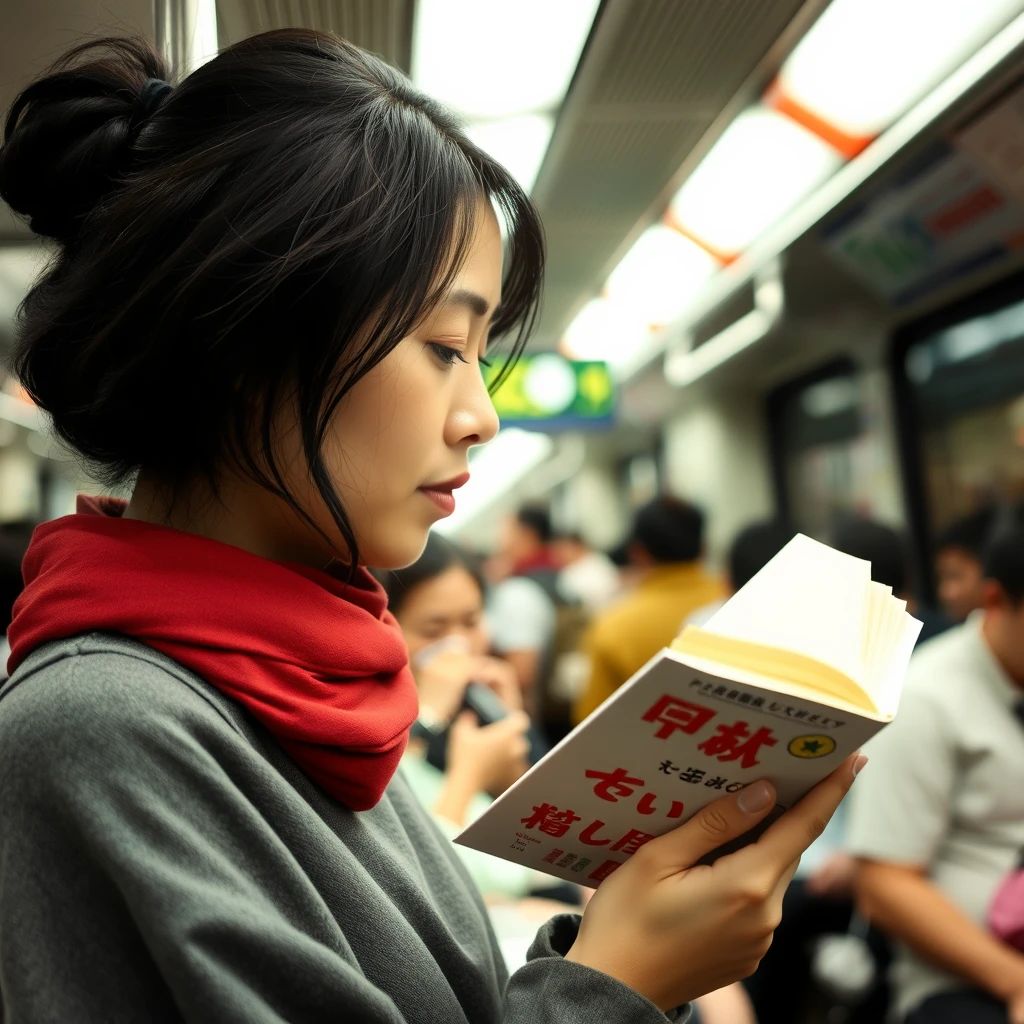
x: 941, y: 221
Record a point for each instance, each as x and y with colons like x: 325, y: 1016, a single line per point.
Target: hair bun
x: 68, y: 136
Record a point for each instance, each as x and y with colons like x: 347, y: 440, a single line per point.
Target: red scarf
x: 321, y: 663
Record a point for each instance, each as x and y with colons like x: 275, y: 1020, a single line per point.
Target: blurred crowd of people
x: 890, y: 910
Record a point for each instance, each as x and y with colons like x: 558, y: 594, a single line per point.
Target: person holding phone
x: 270, y: 291
x: 468, y: 700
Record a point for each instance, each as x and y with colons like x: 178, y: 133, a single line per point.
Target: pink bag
x: 1006, y: 911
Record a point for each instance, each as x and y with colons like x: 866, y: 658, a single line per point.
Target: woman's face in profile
x: 449, y: 604
x: 409, y: 423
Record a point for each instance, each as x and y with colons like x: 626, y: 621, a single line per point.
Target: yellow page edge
x: 807, y: 676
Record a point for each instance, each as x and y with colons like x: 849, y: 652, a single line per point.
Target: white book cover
x: 689, y: 727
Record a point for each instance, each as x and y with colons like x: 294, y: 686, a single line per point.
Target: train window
x: 966, y: 383
x: 830, y: 461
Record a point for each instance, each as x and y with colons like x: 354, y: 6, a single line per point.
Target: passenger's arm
x: 900, y: 900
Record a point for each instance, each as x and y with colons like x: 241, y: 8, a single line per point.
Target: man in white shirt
x: 937, y: 816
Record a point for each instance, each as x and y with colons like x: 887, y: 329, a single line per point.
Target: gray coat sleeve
x: 138, y: 881
x: 550, y: 989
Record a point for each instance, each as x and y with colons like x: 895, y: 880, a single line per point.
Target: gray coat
x: 161, y: 859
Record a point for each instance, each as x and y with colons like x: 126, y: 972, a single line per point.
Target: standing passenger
x: 667, y: 543
x: 521, y: 606
x: 271, y: 291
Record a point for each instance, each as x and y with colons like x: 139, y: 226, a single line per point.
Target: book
x: 793, y: 674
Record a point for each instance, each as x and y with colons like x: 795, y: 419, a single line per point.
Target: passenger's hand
x: 673, y: 932
x: 834, y: 878
x: 500, y: 677
x: 442, y: 682
x: 489, y: 757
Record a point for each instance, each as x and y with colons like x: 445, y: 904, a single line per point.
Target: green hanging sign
x: 548, y: 392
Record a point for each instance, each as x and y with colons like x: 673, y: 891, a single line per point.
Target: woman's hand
x: 442, y: 682
x: 490, y: 757
x: 673, y: 932
x: 500, y: 677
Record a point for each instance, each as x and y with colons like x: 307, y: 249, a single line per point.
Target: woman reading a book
x: 271, y: 289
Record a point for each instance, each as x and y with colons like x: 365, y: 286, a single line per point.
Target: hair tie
x: 150, y: 97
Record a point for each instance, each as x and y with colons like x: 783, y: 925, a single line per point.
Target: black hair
x: 1003, y: 558
x: 266, y: 231
x: 878, y: 544
x: 438, y: 557
x: 754, y: 547
x: 670, y: 530
x: 620, y: 555
x: 970, y: 533
x: 537, y: 519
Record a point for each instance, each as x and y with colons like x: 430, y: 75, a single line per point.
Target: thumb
x: 721, y: 821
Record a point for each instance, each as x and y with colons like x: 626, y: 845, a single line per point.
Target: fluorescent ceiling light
x: 495, y: 469
x: 517, y: 143
x: 760, y: 168
x: 865, y: 62
x: 605, y: 330
x: 661, y: 275
x: 495, y: 59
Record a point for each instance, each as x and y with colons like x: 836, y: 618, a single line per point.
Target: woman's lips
x: 441, y: 494
x: 444, y: 500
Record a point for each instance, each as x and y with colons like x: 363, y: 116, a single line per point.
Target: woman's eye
x: 447, y: 354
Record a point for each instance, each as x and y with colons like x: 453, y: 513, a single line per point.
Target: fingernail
x: 756, y: 797
x: 858, y: 764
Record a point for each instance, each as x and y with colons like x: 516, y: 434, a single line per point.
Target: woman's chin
x: 394, y: 555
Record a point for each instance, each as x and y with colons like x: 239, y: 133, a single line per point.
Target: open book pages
x: 814, y: 622
x: 793, y: 675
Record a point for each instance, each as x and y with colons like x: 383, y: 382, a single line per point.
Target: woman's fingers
x: 787, y: 838
x: 718, y: 823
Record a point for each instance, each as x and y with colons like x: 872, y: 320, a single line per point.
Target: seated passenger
x: 438, y: 602
x: 938, y: 817
x: 958, y: 563
x: 667, y: 544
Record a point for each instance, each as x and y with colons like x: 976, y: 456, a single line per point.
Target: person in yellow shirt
x: 667, y: 543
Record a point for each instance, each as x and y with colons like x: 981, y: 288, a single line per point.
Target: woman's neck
x: 241, y: 513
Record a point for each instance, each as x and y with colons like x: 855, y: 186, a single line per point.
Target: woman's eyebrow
x: 473, y: 301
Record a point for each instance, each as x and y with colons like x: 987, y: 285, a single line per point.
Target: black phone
x: 484, y: 703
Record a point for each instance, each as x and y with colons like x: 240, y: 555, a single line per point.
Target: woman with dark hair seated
x: 438, y: 602
x: 271, y: 289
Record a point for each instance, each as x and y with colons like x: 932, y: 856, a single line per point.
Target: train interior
x: 785, y: 251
